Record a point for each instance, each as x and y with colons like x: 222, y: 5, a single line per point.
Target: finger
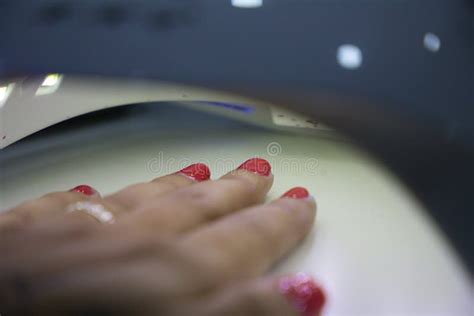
x: 249, y: 242
x: 297, y: 295
x: 48, y: 205
x: 135, y: 195
x: 56, y: 203
x: 187, y: 208
x: 127, y: 200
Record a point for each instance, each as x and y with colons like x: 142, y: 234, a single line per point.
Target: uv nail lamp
x: 222, y: 82
x: 30, y: 104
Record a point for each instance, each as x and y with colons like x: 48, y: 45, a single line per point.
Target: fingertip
x: 303, y: 292
x: 86, y: 190
x: 300, y: 194
x: 296, y: 193
x: 257, y: 165
x: 293, y: 295
x: 198, y: 172
x: 257, y: 173
x: 302, y: 209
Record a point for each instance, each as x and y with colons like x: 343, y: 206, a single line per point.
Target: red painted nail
x: 297, y: 193
x: 304, y: 294
x: 84, y: 189
x: 257, y: 165
x: 198, y: 172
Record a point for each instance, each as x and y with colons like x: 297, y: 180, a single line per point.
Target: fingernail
x: 84, y: 189
x: 257, y: 165
x: 304, y: 294
x: 198, y: 172
x: 297, y: 193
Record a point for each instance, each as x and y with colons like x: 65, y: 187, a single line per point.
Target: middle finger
x: 189, y: 207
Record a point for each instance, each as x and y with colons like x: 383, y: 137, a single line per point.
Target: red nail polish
x: 257, y: 165
x: 297, y: 193
x: 303, y: 293
x: 84, y: 189
x: 198, y: 172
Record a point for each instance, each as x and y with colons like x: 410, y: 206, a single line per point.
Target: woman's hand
x: 179, y: 245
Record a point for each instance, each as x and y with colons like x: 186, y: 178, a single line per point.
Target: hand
x: 179, y: 245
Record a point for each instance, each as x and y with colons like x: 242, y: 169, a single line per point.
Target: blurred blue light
x: 231, y: 106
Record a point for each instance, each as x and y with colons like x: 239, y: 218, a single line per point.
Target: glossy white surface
x: 28, y: 105
x: 373, y: 246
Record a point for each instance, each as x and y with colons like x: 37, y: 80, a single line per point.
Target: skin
x: 177, y: 247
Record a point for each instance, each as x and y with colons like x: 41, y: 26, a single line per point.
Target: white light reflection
x: 5, y: 93
x: 349, y: 56
x: 247, y: 3
x: 432, y: 42
x: 50, y: 84
x: 51, y: 80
